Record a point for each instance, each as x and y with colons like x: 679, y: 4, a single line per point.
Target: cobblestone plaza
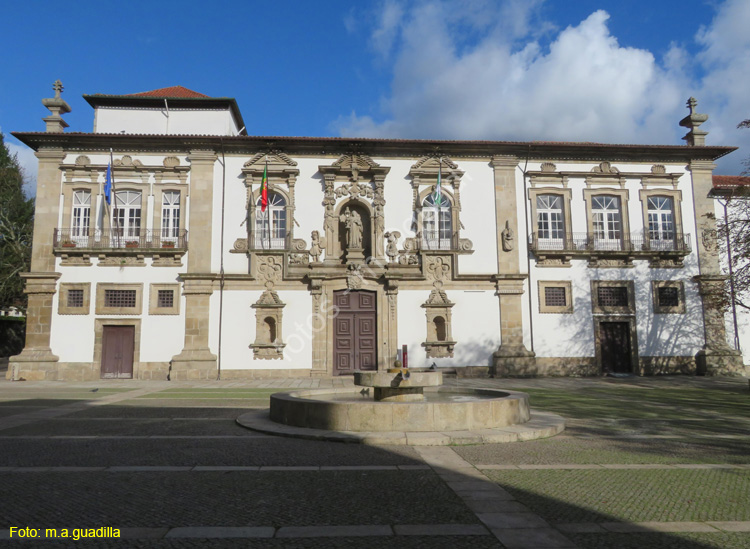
x: 644, y: 462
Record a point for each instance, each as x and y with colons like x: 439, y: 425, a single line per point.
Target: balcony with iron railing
x: 434, y: 241
x: 94, y: 240
x: 659, y: 250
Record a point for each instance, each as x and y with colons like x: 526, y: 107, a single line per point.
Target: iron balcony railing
x: 433, y: 240
x: 276, y: 240
x: 123, y: 238
x: 584, y: 242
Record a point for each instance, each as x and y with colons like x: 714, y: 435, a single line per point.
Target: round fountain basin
x: 443, y: 409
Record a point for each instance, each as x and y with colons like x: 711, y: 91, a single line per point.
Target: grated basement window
x: 119, y: 298
x: 612, y: 296
x: 668, y: 296
x: 75, y: 298
x: 165, y: 299
x: 554, y: 297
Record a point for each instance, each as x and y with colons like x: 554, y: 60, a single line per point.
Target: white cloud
x: 467, y: 78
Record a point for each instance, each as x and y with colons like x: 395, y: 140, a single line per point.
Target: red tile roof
x: 172, y: 91
x: 730, y: 181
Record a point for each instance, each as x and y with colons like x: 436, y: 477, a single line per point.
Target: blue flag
x: 108, y: 185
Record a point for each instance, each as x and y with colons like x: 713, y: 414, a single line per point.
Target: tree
x: 733, y: 232
x: 16, y: 227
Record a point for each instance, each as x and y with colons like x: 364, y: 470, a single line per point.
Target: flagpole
x: 264, y: 203
x: 113, y: 194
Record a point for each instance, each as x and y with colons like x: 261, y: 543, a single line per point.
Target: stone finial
x: 57, y: 107
x: 694, y: 137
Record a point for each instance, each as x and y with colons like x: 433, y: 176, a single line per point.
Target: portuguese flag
x: 264, y: 190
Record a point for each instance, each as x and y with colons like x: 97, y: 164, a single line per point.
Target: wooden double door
x: 118, y: 344
x: 355, y: 331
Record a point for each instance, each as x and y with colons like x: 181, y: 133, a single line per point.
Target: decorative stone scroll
x: 269, y: 344
x: 439, y: 343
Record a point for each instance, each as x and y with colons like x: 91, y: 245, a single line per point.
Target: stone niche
x: 269, y: 343
x: 439, y: 342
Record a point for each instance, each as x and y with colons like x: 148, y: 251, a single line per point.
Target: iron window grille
x: 165, y: 299
x: 612, y: 296
x: 555, y: 297
x: 668, y: 296
x: 120, y: 298
x: 75, y: 298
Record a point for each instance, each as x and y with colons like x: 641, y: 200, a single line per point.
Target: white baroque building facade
x: 535, y: 259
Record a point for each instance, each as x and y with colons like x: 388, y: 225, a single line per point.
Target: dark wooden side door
x: 118, y: 343
x: 615, y: 347
x: 355, y: 332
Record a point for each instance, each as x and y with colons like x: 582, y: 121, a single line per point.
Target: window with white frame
x: 549, y: 221
x: 81, y: 217
x: 607, y: 223
x: 437, y: 226
x: 127, y: 215
x: 270, y: 226
x: 661, y: 222
x: 170, y: 216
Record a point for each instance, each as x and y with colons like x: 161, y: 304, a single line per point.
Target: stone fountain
x: 407, y: 406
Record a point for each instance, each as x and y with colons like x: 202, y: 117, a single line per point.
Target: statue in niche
x: 392, y: 248
x: 507, y: 237
x: 353, y: 223
x: 316, y: 248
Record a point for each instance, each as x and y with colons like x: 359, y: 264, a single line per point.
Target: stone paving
x: 645, y: 462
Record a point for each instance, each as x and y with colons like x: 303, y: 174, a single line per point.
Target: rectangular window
x: 554, y: 297
x: 668, y: 296
x: 75, y: 298
x: 120, y: 298
x: 165, y: 299
x: 612, y: 296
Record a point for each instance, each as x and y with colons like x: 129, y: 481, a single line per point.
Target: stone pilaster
x: 196, y: 361
x: 716, y: 357
x: 512, y: 357
x: 36, y: 362
x: 320, y: 327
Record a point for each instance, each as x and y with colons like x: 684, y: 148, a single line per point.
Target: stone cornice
x: 316, y: 146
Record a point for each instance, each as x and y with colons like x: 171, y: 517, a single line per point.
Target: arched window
x: 607, y: 222
x: 81, y: 216
x: 170, y: 215
x: 270, y: 226
x: 126, y: 215
x: 661, y: 223
x: 437, y: 226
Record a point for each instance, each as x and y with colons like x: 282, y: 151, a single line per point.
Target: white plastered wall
x: 178, y: 121
x: 478, y: 217
x: 238, y: 330
x: 475, y: 325
x: 162, y: 336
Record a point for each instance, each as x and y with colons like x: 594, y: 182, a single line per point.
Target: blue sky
x: 584, y: 70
